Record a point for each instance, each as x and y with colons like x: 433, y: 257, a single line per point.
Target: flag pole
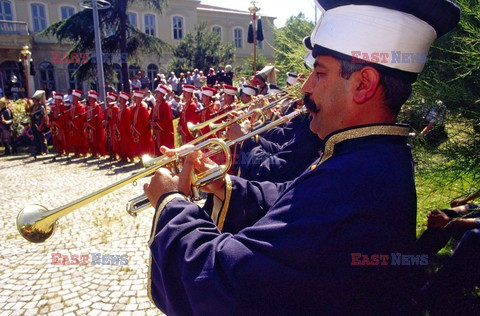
x: 254, y: 9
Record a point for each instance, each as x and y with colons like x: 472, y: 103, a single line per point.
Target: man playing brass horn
x: 293, y: 248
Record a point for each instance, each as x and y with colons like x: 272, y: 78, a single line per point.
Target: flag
x: 259, y: 30
x: 250, y: 33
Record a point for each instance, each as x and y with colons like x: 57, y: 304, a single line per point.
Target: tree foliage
x: 289, y: 49
x: 453, y: 75
x: 201, y: 49
x: 119, y: 37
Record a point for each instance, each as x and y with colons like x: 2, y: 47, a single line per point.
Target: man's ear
x: 366, y: 82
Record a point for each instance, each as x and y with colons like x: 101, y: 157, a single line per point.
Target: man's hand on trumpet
x: 165, y: 181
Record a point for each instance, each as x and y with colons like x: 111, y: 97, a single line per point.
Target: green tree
x: 453, y: 76
x: 201, y: 49
x: 289, y: 49
x: 119, y: 37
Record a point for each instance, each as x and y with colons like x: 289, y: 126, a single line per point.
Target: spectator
x: 197, y: 80
x: 149, y: 99
x: 229, y: 75
x: 443, y: 293
x: 136, y: 83
x: 180, y: 83
x: 189, y: 78
x: 156, y: 82
x: 173, y: 81
x: 145, y: 82
x: 220, y: 75
x: 211, y: 78
x: 176, y: 106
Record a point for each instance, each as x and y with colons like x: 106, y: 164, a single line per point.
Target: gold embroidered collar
x: 359, y: 132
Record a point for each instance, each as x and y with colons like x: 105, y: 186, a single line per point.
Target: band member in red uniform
x: 189, y: 114
x: 59, y: 118
x: 93, y: 125
x: 229, y: 93
x: 140, y: 129
x: 122, y: 128
x: 209, y: 108
x: 110, y: 118
x: 77, y: 124
x: 161, y: 121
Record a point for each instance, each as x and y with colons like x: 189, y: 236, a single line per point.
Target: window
x: 73, y: 82
x: 217, y: 29
x: 178, y: 26
x: 238, y: 37
x: 46, y: 75
x: 150, y: 24
x: 118, y: 80
x: 132, y: 18
x: 6, y: 10
x: 66, y: 12
x: 152, y: 71
x: 39, y: 17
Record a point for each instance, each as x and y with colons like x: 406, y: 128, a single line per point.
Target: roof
x: 206, y: 7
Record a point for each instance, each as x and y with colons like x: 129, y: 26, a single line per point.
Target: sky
x: 282, y: 9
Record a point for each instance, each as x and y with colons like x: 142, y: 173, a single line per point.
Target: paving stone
x: 31, y: 284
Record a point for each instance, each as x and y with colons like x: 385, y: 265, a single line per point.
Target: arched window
x: 46, y: 75
x: 178, y: 27
x: 6, y: 10
x: 73, y: 82
x: 133, y: 71
x: 118, y: 81
x: 238, y: 37
x: 152, y: 71
x: 150, y: 24
x: 218, y: 29
x: 39, y: 17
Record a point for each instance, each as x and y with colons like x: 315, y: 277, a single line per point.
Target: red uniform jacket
x: 94, y: 130
x: 110, y: 120
x: 161, y: 119
x: 140, y: 131
x: 189, y: 114
x: 59, y: 117
x: 77, y: 128
x: 122, y: 133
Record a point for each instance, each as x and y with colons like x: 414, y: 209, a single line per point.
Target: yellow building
x: 22, y: 20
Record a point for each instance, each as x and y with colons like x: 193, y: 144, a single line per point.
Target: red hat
x: 163, y: 89
x: 93, y: 94
x: 230, y: 90
x: 188, y: 88
x: 58, y: 96
x: 139, y: 94
x: 124, y: 95
x: 77, y: 93
x: 208, y: 91
x: 112, y: 96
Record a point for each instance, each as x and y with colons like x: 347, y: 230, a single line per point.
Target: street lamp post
x: 96, y: 5
x: 253, y: 10
x: 25, y: 52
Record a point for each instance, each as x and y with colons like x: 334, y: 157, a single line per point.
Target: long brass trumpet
x: 140, y: 203
x: 293, y: 91
x: 36, y: 223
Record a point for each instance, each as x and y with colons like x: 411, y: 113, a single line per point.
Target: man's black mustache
x: 309, y: 104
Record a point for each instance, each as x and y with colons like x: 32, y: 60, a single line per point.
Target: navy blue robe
x: 264, y: 160
x: 287, y: 248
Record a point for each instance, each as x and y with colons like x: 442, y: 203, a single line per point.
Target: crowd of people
x: 129, y: 125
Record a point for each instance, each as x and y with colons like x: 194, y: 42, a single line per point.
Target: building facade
x: 22, y: 20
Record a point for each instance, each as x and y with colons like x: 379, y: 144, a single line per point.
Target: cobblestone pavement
x: 30, y: 284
